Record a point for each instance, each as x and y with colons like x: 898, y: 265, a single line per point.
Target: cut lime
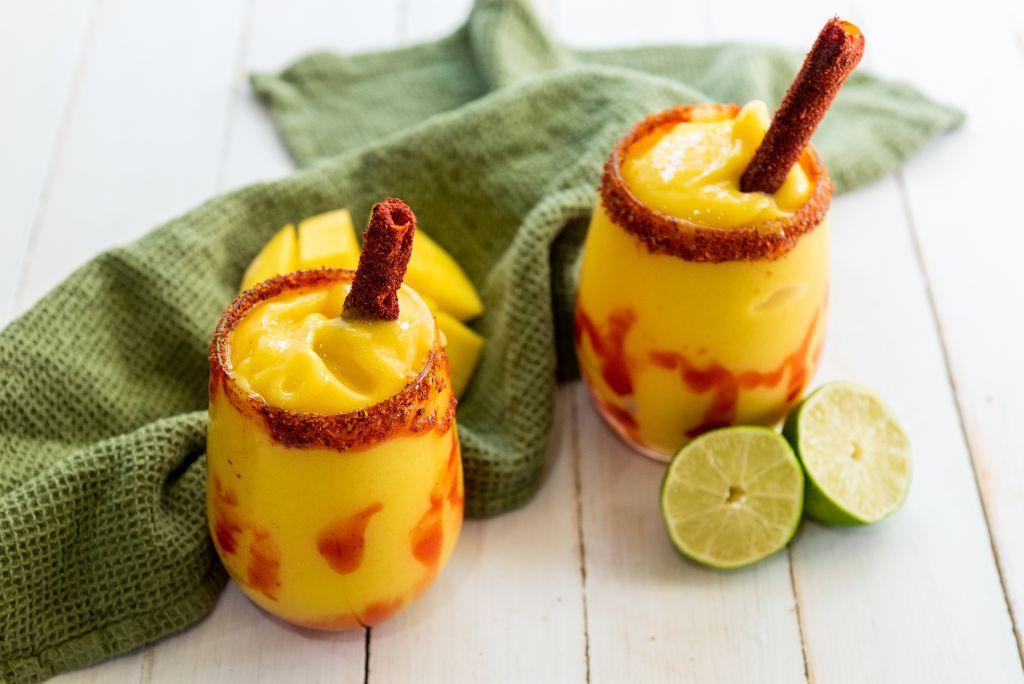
x: 856, y: 456
x: 733, y: 496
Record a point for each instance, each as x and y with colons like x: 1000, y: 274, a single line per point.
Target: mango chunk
x: 328, y: 241
x: 280, y: 255
x: 463, y: 346
x: 434, y: 273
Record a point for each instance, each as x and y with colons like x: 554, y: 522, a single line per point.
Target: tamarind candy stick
x: 835, y: 53
x: 387, y: 246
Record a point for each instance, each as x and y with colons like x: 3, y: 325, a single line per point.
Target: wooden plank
x: 145, y: 136
x: 239, y: 642
x: 654, y: 616
x: 509, y: 606
x: 407, y: 646
x: 873, y: 605
x: 584, y: 24
x: 961, y: 193
x: 923, y: 561
x: 142, y: 140
x: 424, y: 21
x: 280, y: 33
x: 42, y: 45
x: 651, y: 615
x: 915, y: 597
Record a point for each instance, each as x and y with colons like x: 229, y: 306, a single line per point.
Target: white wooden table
x: 118, y: 115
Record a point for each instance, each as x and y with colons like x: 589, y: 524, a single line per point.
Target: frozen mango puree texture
x: 691, y: 170
x: 297, y: 352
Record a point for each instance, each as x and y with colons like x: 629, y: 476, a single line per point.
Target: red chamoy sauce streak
x: 224, y: 495
x: 427, y: 537
x: 263, y: 570
x: 621, y: 416
x: 375, y: 612
x: 263, y: 573
x: 225, y: 526
x: 726, y: 384
x: 621, y: 420
x: 609, y: 346
x: 334, y: 623
x: 224, y: 533
x: 343, y: 542
x: 379, y: 611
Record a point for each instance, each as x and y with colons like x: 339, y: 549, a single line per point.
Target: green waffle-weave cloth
x: 495, y: 136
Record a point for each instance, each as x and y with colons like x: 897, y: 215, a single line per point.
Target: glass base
x: 617, y: 420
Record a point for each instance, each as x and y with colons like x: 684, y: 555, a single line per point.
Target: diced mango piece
x: 434, y: 273
x: 280, y: 255
x: 463, y: 347
x: 328, y: 241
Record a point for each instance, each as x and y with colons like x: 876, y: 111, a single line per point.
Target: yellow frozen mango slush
x: 334, y: 479
x: 699, y: 305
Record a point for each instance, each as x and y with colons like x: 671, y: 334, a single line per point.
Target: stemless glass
x: 681, y: 328
x: 331, y: 521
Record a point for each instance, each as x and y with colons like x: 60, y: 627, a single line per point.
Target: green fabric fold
x: 495, y: 136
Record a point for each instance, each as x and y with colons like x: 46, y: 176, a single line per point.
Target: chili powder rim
x: 661, y: 233
x: 407, y: 412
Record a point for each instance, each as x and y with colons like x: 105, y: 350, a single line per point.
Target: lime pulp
x: 733, y: 496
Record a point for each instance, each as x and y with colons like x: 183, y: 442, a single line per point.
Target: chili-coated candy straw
x: 387, y: 246
x: 836, y: 52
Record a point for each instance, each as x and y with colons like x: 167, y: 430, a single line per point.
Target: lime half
x: 856, y: 456
x: 733, y: 496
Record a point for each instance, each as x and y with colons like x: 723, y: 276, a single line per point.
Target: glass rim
x: 673, y: 236
x: 402, y: 413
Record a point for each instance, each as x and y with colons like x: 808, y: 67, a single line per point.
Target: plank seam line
x: 63, y: 128
x: 237, y: 92
x: 578, y: 490
x: 148, y: 662
x: 937, y: 322
x: 366, y: 655
x: 799, y: 617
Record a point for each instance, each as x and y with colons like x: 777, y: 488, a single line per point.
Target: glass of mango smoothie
x: 700, y: 306
x: 334, y: 479
x: 702, y: 303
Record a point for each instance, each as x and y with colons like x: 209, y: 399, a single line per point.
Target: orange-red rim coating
x: 411, y: 410
x: 673, y: 236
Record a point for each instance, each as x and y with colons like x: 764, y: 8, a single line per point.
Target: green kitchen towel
x: 495, y: 136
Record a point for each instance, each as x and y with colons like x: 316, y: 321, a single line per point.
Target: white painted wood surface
x: 126, y: 113
x: 970, y: 241
x: 33, y: 117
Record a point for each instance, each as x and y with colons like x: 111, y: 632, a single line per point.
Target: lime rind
x: 733, y: 497
x: 854, y: 454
